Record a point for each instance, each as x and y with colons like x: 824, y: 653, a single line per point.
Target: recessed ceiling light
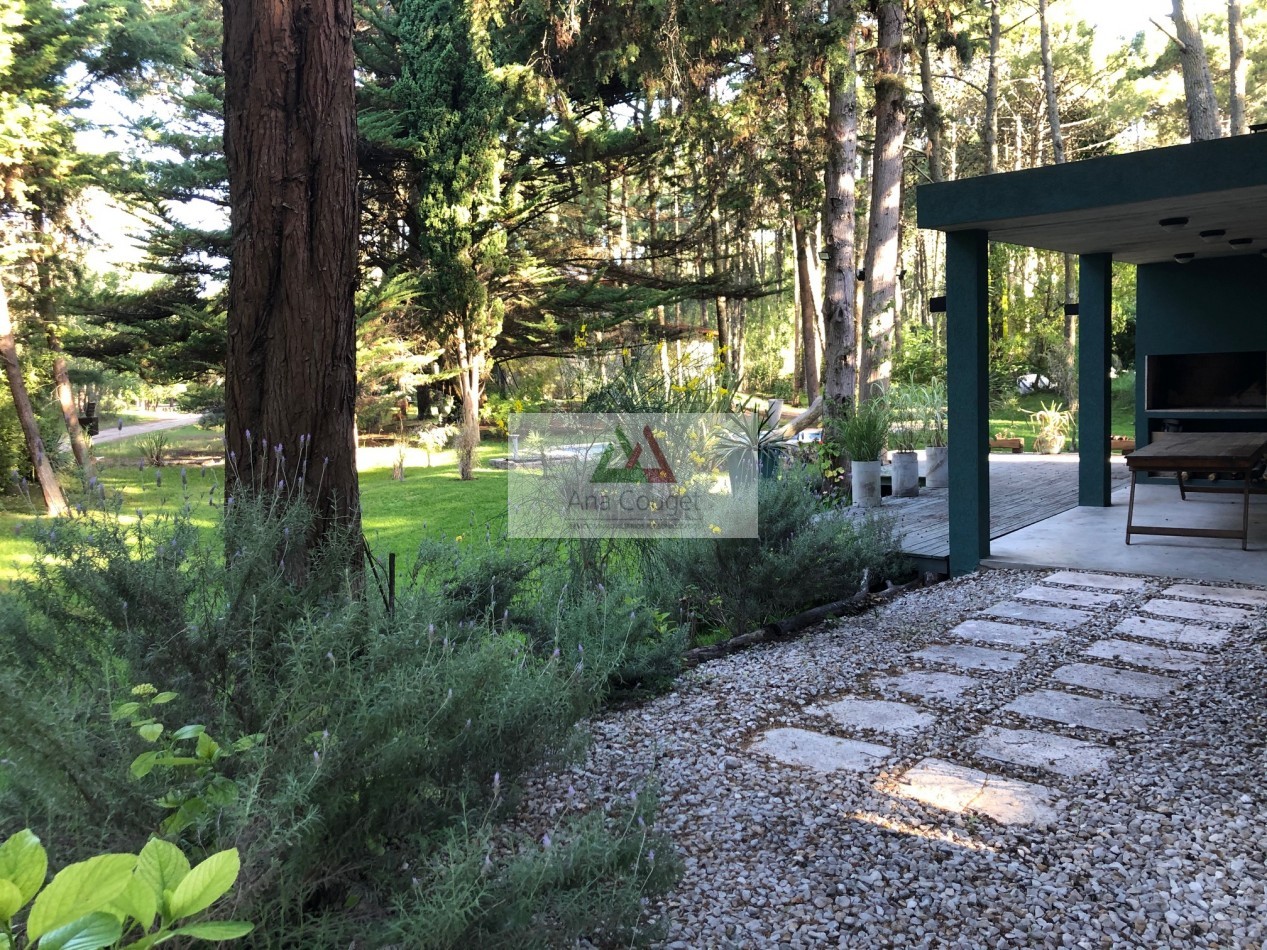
x: 1184, y: 257
x: 1173, y: 224
x: 1212, y: 235
x: 1240, y: 242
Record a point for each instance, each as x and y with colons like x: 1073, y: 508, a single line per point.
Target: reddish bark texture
x: 290, y: 140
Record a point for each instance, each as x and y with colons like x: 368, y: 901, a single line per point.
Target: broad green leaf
x: 188, y: 732
x: 138, y: 901
x: 78, y: 890
x: 162, y: 867
x: 207, y: 747
x: 5, y: 943
x: 216, y: 930
x: 144, y: 763
x: 171, y: 761
x: 151, y: 732
x: 10, y: 900
x: 123, y: 710
x: 162, y: 698
x: 221, y: 791
x: 92, y: 932
x: 23, y: 861
x: 186, y: 815
x: 206, y: 883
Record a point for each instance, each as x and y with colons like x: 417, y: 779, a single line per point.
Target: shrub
x: 805, y: 556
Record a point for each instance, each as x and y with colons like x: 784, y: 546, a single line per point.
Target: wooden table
x: 1234, y: 453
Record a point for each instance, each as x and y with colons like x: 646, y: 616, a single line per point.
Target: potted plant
x: 1053, y: 424
x: 933, y: 402
x: 863, y: 434
x: 753, y: 438
x: 904, y: 435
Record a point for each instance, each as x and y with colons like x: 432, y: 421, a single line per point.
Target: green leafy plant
x: 863, y: 431
x: 753, y: 437
x: 111, y: 900
x: 188, y: 750
x: 1054, y: 423
x: 154, y: 448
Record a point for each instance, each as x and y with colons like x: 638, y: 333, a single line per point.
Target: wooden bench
x: 1121, y: 443
x: 1016, y: 445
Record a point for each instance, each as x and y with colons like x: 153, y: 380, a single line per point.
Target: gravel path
x: 1012, y: 759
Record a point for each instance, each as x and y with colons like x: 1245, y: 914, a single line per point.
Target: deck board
x: 1024, y: 489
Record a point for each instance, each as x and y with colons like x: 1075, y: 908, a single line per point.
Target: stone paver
x: 819, y: 752
x: 1231, y: 595
x: 956, y: 788
x: 1070, y: 596
x: 1042, y: 750
x: 877, y: 714
x: 1140, y: 654
x: 944, y: 687
x: 1102, y: 581
x: 1101, y: 714
x: 1122, y: 682
x: 971, y: 658
x: 1056, y: 616
x: 1172, y: 631
x: 1209, y: 613
x: 1005, y: 634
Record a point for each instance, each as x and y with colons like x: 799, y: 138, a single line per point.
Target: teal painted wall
x: 1212, y: 306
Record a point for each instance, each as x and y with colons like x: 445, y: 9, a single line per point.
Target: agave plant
x: 753, y: 437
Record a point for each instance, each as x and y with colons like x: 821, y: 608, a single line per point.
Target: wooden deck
x: 1024, y: 489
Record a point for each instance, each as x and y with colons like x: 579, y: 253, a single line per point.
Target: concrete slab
x: 1220, y: 595
x: 1042, y: 750
x: 1099, y: 581
x: 1172, y: 631
x: 1063, y: 617
x: 956, y: 788
x: 1121, y: 682
x: 1206, y: 613
x: 943, y: 687
x: 1070, y: 596
x: 877, y: 714
x: 819, y: 752
x: 1005, y: 634
x: 1140, y: 654
x: 971, y: 658
x: 1071, y: 710
x: 1091, y: 539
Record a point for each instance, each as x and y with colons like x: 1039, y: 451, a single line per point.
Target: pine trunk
x: 880, y: 279
x: 932, y: 112
x: 1198, y: 87
x: 470, y: 385
x: 840, y: 372
x: 1237, y: 69
x: 290, y: 145
x: 54, y: 500
x: 990, y: 131
x: 807, y: 278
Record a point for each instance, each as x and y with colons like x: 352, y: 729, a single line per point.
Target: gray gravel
x: 1164, y: 848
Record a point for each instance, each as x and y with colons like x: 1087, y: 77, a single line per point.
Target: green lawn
x: 396, y: 514
x: 1013, y: 421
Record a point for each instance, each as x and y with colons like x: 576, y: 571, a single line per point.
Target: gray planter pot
x: 905, y: 474
x: 937, y: 468
x: 866, y: 484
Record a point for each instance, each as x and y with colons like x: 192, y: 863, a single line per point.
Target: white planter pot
x: 865, y: 478
x: 905, y: 474
x: 937, y: 467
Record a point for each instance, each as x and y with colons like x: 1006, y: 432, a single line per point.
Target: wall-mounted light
x: 824, y: 255
x: 1184, y: 257
x: 1071, y: 310
x: 1241, y: 242
x: 1212, y: 236
x: 861, y: 275
x: 1173, y: 224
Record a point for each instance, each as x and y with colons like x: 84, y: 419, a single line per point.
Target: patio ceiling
x: 1113, y: 204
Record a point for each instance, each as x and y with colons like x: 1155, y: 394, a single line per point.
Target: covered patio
x: 1193, y: 219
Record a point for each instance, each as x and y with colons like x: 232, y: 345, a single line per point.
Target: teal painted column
x: 968, y: 369
x: 1095, y: 301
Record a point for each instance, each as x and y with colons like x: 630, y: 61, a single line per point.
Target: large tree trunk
x: 290, y: 144
x: 1059, y: 156
x: 931, y: 111
x: 840, y: 372
x: 880, y: 279
x: 54, y: 500
x: 470, y: 385
x: 1237, y: 69
x: 807, y: 278
x: 1198, y: 87
x: 990, y: 131
x: 46, y: 311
